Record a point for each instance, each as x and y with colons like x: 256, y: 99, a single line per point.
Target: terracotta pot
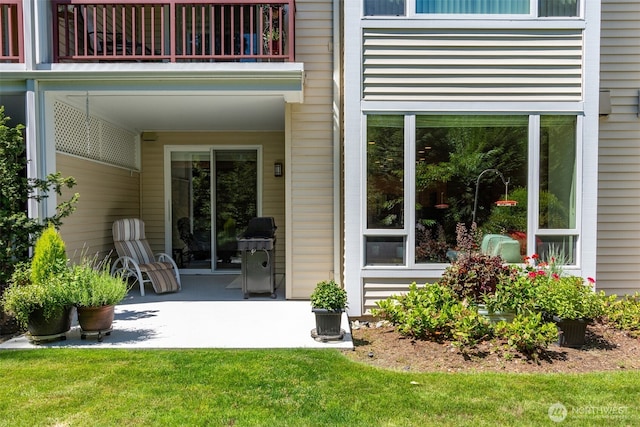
x: 96, y: 319
x: 54, y: 327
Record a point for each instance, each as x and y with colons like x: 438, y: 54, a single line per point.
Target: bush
x: 434, y: 312
x: 49, y: 257
x: 420, y: 313
x: 473, y: 275
x: 528, y: 334
x: 51, y: 296
x: 96, y: 287
x: 17, y: 230
x: 624, y: 313
x: 329, y: 295
x: 567, y: 297
x: 515, y: 293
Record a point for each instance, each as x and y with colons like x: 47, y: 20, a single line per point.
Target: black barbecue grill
x: 258, y: 247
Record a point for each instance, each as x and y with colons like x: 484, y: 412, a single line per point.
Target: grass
x: 99, y: 387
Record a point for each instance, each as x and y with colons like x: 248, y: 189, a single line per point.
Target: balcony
x: 173, y: 31
x: 11, y: 32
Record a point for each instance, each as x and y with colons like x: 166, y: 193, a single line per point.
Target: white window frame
x: 533, y: 182
x: 410, y: 13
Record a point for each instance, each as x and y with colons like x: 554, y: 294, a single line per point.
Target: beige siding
x: 153, y: 202
x: 376, y: 289
x: 107, y: 193
x: 473, y: 65
x: 619, y: 151
x: 311, y: 151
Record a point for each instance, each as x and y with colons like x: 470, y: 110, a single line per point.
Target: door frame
x: 210, y: 148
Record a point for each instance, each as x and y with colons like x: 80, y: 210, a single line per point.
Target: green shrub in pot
x: 568, y: 297
x: 328, y: 295
x: 50, y: 298
x: 328, y: 301
x: 96, y: 287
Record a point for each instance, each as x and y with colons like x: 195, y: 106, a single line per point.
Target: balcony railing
x: 11, y: 33
x: 173, y: 31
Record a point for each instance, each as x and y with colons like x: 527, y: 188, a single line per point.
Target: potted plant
x: 96, y: 293
x: 39, y: 296
x: 328, y: 301
x: 571, y: 305
x: 514, y: 294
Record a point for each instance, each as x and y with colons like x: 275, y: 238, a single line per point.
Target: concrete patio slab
x: 205, y: 314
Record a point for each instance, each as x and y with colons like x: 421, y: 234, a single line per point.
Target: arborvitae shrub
x: 49, y: 257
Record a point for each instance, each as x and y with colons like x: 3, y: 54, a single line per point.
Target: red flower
x: 541, y: 273
x: 591, y: 280
x: 535, y: 256
x: 555, y: 276
x: 532, y: 274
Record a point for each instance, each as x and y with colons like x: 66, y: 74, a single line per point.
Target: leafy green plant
x: 473, y: 275
x: 42, y: 285
x: 529, y: 334
x: 422, y: 312
x: 624, y: 313
x: 17, y: 230
x: 568, y: 297
x: 329, y: 295
x: 95, y: 287
x: 515, y: 292
x: 51, y: 296
x: 468, y: 327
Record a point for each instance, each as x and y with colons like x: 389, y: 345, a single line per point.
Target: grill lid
x: 263, y: 227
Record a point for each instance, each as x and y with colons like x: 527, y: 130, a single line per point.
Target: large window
x: 453, y: 155
x: 545, y: 8
x: 465, y: 169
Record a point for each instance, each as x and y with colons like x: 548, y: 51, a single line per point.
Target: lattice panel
x: 102, y: 141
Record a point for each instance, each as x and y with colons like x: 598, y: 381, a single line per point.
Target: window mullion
x: 533, y: 183
x: 410, y: 186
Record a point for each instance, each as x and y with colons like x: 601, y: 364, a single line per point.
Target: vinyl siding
x: 107, y: 193
x: 472, y: 65
x: 311, y: 152
x: 618, y: 269
x: 153, y: 211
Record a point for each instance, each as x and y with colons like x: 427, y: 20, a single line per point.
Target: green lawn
x: 71, y: 387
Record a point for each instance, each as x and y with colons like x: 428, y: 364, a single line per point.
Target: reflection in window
x: 385, y: 172
x: 473, y: 7
x: 557, y: 196
x: 385, y: 250
x: 558, y: 8
x: 557, y: 249
x: 451, y: 152
x: 384, y: 8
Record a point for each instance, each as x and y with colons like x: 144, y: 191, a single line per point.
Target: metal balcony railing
x: 173, y: 31
x: 11, y: 32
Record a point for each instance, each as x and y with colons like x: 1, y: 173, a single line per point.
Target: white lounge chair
x: 137, y: 260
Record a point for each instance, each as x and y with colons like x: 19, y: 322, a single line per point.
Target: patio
x: 209, y: 312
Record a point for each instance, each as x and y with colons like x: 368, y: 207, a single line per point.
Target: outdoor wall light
x: 277, y: 169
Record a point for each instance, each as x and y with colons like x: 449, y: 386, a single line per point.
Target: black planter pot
x: 572, y: 332
x: 55, y: 327
x: 327, y: 325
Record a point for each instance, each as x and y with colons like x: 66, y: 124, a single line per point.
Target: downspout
x: 338, y: 219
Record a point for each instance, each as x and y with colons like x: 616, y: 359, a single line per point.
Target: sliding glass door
x: 213, y: 195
